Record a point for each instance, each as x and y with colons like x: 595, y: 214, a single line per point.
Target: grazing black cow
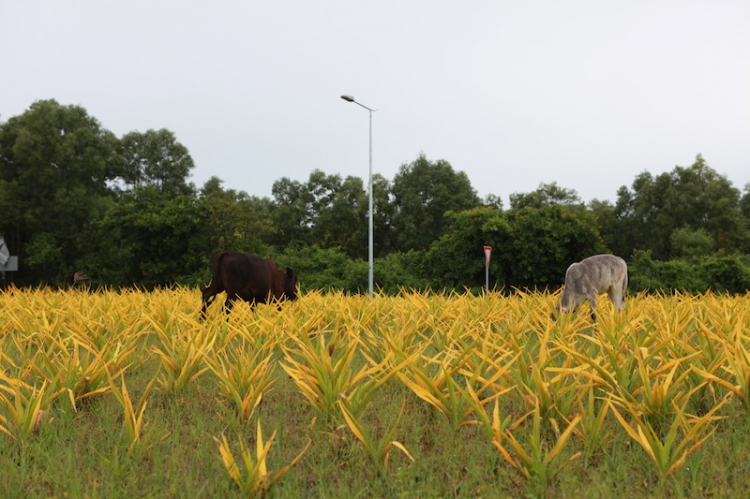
x: 250, y: 278
x: 593, y: 276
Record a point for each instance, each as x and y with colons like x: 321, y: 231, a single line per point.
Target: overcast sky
x: 587, y: 94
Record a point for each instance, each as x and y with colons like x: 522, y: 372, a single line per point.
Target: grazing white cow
x: 591, y: 277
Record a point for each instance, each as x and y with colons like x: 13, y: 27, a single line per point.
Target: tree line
x: 73, y: 196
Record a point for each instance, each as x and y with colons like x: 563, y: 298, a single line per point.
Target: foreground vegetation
x: 128, y: 395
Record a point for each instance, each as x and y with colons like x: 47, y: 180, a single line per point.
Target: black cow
x: 250, y: 278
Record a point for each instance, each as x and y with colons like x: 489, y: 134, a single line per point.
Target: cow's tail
x: 624, y: 285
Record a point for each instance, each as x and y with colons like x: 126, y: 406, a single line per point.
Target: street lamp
x: 349, y: 98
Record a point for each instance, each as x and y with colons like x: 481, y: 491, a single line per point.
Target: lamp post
x: 349, y: 98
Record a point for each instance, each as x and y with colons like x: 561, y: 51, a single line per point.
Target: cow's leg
x: 209, y: 293
x: 621, y: 296
x: 616, y: 295
x: 618, y: 300
x: 278, y: 302
x: 592, y: 303
x: 228, y: 304
x: 576, y: 303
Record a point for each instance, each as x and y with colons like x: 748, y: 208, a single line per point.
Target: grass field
x: 107, y: 394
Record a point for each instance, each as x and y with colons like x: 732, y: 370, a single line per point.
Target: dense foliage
x: 73, y: 196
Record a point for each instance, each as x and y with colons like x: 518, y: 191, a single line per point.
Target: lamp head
x: 347, y: 98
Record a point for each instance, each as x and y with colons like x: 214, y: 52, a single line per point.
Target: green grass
x: 83, y: 454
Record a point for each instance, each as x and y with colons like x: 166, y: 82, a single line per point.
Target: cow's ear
x: 289, y: 272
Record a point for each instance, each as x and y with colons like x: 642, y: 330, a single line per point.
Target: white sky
x: 514, y: 93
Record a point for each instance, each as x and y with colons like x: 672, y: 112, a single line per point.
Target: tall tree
x: 493, y: 200
x: 696, y: 197
x: 159, y: 239
x: 745, y: 210
x: 234, y: 221
x: 543, y: 242
x: 330, y: 213
x: 291, y: 214
x: 340, y: 214
x: 383, y: 211
x: 55, y: 165
x: 611, y: 227
x: 155, y: 157
x: 423, y: 192
x: 745, y: 202
x: 342, y: 222
x: 545, y: 195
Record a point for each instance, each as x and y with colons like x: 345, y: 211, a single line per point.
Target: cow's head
x: 562, y: 307
x: 566, y: 301
x: 290, y: 285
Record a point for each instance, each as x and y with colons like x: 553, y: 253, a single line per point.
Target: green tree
x: 423, y: 192
x: 383, y: 210
x: 695, y: 197
x: 543, y: 242
x: 532, y: 247
x: 745, y: 202
x: 493, y: 201
x: 234, y: 221
x: 155, y: 157
x: 610, y: 227
x: 719, y: 273
x: 290, y: 214
x: 331, y: 213
x: 319, y: 193
x: 55, y: 166
x: 159, y: 241
x: 745, y: 210
x: 400, y: 271
x: 647, y: 274
x: 545, y: 195
x: 691, y: 244
x: 342, y: 222
x: 326, y: 269
x: 456, y: 259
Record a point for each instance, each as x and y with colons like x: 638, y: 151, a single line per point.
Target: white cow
x: 591, y: 277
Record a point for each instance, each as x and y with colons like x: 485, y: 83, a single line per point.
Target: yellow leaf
x: 402, y: 448
x: 354, y: 426
x: 260, y: 453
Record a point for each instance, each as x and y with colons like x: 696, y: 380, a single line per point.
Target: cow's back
x: 595, y: 274
x: 248, y: 276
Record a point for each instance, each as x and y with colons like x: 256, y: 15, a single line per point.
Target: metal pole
x: 370, y: 233
x: 370, y: 251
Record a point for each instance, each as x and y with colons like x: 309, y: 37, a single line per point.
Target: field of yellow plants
x: 127, y: 393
